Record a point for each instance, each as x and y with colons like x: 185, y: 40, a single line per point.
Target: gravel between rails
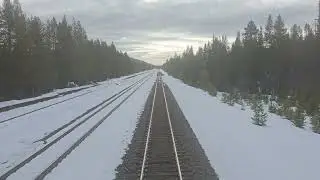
x: 161, y: 163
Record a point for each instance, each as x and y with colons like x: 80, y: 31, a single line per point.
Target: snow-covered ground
x: 17, y: 137
x: 110, y: 84
x: 236, y: 148
x: 240, y: 150
x: 101, y: 153
x: 50, y: 94
x: 59, y: 91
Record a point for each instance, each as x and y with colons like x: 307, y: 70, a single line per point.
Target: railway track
x: 164, y: 147
x: 52, y: 142
x: 31, y: 102
x: 98, y: 108
x: 44, y: 107
x: 160, y: 157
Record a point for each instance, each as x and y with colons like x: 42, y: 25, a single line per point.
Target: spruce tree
x: 296, y: 33
x: 299, y: 117
x: 272, y: 107
x: 280, y: 31
x: 242, y: 104
x: 269, y: 30
x: 315, y: 121
x: 309, y: 34
x: 318, y: 23
x: 260, y: 116
x: 260, y: 41
x: 250, y: 35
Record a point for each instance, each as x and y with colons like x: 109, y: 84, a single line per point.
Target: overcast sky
x: 152, y: 30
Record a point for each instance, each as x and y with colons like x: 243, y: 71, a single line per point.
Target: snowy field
x: 59, y: 91
x: 53, y: 93
x: 239, y: 150
x: 106, y: 145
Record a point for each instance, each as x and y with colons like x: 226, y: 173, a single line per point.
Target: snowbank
x: 237, y: 149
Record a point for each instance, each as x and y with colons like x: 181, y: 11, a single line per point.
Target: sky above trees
x: 153, y: 30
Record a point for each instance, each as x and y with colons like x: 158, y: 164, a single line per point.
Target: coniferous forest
x: 271, y: 59
x: 37, y: 56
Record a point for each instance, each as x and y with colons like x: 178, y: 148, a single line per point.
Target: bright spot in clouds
x: 150, y: 1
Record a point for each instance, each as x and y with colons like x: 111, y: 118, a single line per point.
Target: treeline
x: 276, y: 60
x: 270, y: 60
x: 37, y: 56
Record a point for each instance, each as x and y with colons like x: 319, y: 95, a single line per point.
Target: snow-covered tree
x: 272, y: 107
x: 315, y: 121
x: 299, y: 117
x: 260, y: 116
x: 242, y: 104
x: 228, y: 99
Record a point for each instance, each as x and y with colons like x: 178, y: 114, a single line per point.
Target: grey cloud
x: 134, y: 20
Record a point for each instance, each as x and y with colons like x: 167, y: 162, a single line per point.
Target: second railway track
x: 16, y: 117
x: 134, y: 87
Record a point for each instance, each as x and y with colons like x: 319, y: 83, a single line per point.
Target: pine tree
x: 296, y: 33
x: 237, y: 43
x: 299, y: 117
x: 315, y: 121
x: 235, y: 96
x: 260, y: 38
x: 227, y: 98
x: 7, y: 26
x: 51, y: 33
x: 242, y: 104
x: 260, y: 117
x: 36, y: 58
x: 309, y: 33
x: 286, y: 108
x: 21, y: 43
x: 250, y: 35
x: 272, y: 107
x: 269, y: 31
x: 280, y: 32
x: 318, y: 23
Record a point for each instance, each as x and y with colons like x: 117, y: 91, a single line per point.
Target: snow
x: 237, y: 149
x: 54, y: 93
x: 100, y: 154
x: 107, y: 84
x: 19, y: 135
x: 60, y: 91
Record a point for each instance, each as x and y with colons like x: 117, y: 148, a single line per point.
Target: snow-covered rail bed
x: 30, y: 164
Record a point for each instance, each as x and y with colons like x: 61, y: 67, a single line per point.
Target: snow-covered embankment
x: 240, y: 150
